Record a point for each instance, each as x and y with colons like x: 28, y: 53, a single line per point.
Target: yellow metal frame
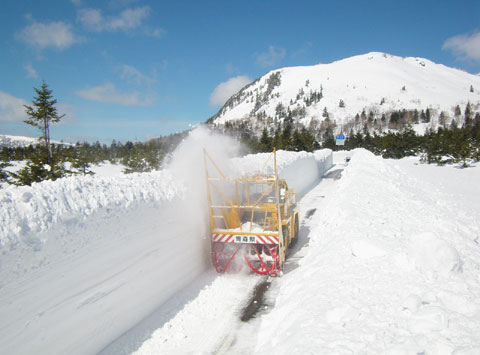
x: 229, y: 209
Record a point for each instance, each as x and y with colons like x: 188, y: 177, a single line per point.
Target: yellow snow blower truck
x: 253, y: 219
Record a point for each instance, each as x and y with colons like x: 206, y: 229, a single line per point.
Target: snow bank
x: 28, y: 211
x: 391, y: 268
x: 300, y: 169
x: 84, y: 251
x: 433, y: 254
x: 324, y: 160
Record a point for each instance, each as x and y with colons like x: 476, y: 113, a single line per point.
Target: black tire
x: 296, y: 228
x: 286, y: 240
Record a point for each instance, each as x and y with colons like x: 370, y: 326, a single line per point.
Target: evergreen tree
x: 36, y: 170
x: 3, y: 174
x: 325, y: 113
x: 43, y: 162
x: 371, y: 116
x: 461, y: 147
x: 368, y: 142
x: 277, y: 141
x: 286, y: 136
x: 457, y: 112
x: 433, y: 152
x: 383, y: 119
x: 468, y: 115
x: 427, y: 115
x: 265, y: 142
x: 297, y: 142
x: 42, y: 114
x: 423, y: 116
x: 309, y: 142
x: 453, y: 124
x: 476, y: 122
x: 83, y: 159
x: 329, y: 140
x: 415, y: 116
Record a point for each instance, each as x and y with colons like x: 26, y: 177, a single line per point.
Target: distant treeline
x: 78, y: 158
x: 445, y: 145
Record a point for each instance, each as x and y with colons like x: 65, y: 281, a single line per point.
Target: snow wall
x: 76, y: 252
x: 301, y: 170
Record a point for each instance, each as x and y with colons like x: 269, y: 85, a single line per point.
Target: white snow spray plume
x: 187, y: 164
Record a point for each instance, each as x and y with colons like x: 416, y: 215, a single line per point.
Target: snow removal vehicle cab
x: 253, y: 219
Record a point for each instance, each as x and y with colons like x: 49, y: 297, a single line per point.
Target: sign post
x: 340, y: 140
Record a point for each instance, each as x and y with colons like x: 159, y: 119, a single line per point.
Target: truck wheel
x: 295, y: 232
x: 286, y: 236
x: 297, y: 227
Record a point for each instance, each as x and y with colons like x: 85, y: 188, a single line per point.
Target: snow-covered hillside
x: 375, y: 82
x: 19, y: 141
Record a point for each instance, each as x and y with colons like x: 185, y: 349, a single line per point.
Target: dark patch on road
x: 256, y: 301
x: 310, y: 213
x: 334, y: 174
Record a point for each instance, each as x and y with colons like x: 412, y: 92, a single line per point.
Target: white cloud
x: 272, y: 57
x: 465, y: 46
x: 108, y: 93
x: 303, y: 50
x: 156, y: 32
x: 69, y: 112
x: 228, y: 88
x: 133, y: 75
x: 57, y: 35
x: 31, y: 72
x: 11, y: 108
x: 92, y: 19
x: 127, y: 20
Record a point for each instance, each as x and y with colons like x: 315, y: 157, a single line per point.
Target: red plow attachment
x: 262, y: 259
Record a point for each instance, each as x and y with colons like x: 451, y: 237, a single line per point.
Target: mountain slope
x: 20, y: 141
x: 376, y: 82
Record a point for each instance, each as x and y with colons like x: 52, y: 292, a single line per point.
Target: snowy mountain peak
x: 374, y: 82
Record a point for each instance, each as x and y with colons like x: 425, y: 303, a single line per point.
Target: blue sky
x: 133, y: 69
